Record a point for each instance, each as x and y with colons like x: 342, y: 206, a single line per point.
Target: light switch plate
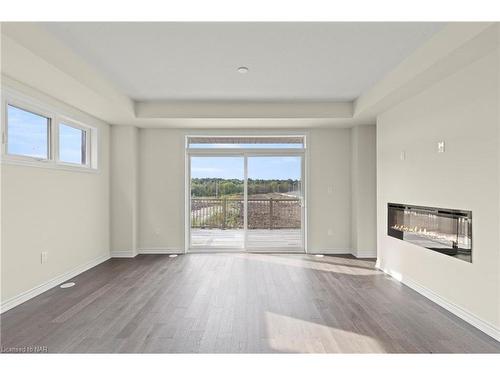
x: 441, y: 146
x: 402, y: 155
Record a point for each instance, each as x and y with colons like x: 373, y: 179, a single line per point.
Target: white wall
x: 330, y: 191
x: 161, y: 190
x: 124, y: 190
x: 462, y: 110
x: 363, y: 191
x: 65, y: 213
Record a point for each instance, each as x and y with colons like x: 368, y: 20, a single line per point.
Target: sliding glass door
x: 246, y: 196
x: 217, y: 204
x: 275, y: 203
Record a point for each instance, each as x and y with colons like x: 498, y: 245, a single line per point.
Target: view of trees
x: 219, y: 187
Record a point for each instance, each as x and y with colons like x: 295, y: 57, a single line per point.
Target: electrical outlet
x: 330, y: 189
x: 44, y: 257
x: 330, y: 232
x: 402, y: 155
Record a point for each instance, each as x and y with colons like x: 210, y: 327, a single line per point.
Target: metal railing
x: 263, y: 213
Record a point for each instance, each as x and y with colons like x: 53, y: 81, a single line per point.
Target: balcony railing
x: 263, y: 213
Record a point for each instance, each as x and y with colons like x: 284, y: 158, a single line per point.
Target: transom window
x: 246, y: 142
x: 32, y: 134
x: 72, y: 144
x: 28, y: 133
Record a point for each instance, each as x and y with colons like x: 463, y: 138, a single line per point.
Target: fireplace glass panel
x: 447, y: 231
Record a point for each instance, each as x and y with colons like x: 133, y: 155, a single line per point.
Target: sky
x: 70, y: 144
x: 259, y: 167
x: 27, y: 135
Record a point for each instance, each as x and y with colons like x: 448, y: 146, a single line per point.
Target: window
x: 72, y: 144
x: 37, y: 135
x: 27, y: 133
x: 246, y: 142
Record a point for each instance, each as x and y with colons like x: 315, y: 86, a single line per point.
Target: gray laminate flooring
x: 233, y: 302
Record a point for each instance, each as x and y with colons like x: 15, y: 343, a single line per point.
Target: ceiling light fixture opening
x: 242, y: 70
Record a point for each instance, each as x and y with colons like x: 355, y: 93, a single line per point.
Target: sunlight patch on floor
x: 326, y: 264
x: 315, y: 336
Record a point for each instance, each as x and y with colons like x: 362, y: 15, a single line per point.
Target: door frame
x: 246, y: 153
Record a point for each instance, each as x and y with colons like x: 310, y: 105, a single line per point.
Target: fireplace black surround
x: 447, y: 231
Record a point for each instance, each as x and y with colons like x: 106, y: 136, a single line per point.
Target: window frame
x: 36, y: 111
x: 55, y: 118
x: 62, y: 120
x: 304, y: 152
x: 262, y: 145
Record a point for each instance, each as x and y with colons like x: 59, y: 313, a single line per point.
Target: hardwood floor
x: 238, y: 303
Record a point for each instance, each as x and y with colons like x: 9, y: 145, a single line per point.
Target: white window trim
x: 27, y: 107
x: 23, y: 102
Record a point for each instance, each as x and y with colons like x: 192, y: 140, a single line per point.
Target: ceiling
x: 286, y: 61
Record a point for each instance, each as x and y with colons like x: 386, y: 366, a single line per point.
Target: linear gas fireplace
x: 444, y: 230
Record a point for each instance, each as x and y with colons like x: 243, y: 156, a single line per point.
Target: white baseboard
x: 33, y: 292
x: 365, y: 254
x: 331, y: 251
x: 159, y: 250
x: 123, y: 254
x: 149, y: 250
x: 357, y: 254
x: 462, y: 313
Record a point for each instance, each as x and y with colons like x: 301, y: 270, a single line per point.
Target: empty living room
x: 228, y: 185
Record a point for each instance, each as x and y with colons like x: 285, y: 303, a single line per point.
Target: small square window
x: 72, y: 144
x: 27, y: 133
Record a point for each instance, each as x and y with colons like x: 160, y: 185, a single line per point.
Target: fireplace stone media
x: 444, y: 230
